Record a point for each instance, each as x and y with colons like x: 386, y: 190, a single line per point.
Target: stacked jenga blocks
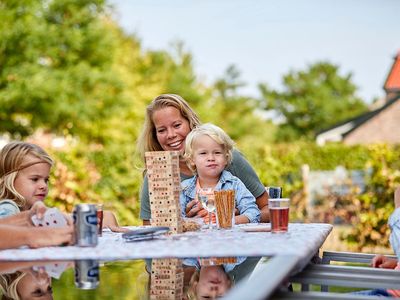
x: 166, y: 279
x: 164, y: 188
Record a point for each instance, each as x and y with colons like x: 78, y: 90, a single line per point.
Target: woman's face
x: 35, y: 286
x: 213, y: 283
x: 171, y: 129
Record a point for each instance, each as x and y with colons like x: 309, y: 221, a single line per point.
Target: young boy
x: 208, y: 151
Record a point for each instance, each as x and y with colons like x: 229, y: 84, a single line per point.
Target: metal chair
x: 327, y: 275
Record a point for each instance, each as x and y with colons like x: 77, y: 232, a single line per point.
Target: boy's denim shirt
x: 245, y: 201
x: 394, y: 224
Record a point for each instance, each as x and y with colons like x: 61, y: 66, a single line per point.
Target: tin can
x: 87, y: 274
x: 85, y: 222
x: 274, y: 192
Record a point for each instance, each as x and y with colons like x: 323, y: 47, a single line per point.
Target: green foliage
x: 55, y: 59
x: 280, y: 165
x: 312, y: 100
x: 376, y: 203
x: 118, y: 280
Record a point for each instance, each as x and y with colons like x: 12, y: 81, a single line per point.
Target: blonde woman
x: 169, y: 119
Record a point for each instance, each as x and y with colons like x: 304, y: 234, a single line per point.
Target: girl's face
x: 171, y: 129
x: 209, y: 157
x: 213, y: 283
x: 32, y: 182
x: 35, y: 286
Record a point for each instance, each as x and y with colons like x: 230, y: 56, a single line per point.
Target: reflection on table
x: 194, y: 278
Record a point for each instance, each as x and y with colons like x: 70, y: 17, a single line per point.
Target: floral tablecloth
x: 302, y: 240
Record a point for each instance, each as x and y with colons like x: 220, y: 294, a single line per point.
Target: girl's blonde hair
x: 214, y: 132
x: 8, y: 285
x: 147, y: 140
x: 12, y: 160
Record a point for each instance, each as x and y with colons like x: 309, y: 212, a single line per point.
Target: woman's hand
x: 110, y: 221
x: 194, y: 209
x: 48, y: 236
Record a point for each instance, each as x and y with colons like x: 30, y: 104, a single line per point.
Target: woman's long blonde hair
x: 12, y: 160
x: 147, y: 140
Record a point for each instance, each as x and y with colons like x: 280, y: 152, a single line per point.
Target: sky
x: 267, y: 39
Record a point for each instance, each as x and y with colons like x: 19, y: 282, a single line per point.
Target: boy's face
x: 213, y: 283
x: 32, y: 182
x: 209, y: 157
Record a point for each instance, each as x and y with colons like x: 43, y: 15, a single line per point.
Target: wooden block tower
x: 164, y: 188
x: 166, y: 279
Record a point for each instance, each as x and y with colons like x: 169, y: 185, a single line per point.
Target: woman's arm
x: 20, y: 219
x: 262, y: 203
x: 246, y: 203
x: 241, y: 168
x: 17, y: 236
x: 145, y: 212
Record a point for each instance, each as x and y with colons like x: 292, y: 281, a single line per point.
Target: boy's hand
x: 194, y: 209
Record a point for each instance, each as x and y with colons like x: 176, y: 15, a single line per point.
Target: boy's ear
x: 192, y: 164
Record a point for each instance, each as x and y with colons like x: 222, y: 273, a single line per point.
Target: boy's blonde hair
x: 12, y: 160
x: 214, y: 132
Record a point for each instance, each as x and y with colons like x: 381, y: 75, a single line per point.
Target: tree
x: 55, y: 67
x: 312, y: 100
x: 236, y: 113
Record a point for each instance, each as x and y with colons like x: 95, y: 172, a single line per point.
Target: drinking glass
x: 207, y: 200
x: 99, y: 208
x: 279, y: 214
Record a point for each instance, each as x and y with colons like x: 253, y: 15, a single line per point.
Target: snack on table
x: 225, y: 203
x: 190, y: 225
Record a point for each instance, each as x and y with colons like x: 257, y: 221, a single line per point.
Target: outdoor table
x: 289, y: 252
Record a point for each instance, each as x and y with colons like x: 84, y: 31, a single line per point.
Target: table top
x: 129, y: 279
x: 301, y: 241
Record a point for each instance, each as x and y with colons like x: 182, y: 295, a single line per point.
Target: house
x: 381, y: 125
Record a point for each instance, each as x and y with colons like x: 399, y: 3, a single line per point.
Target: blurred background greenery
x: 72, y: 81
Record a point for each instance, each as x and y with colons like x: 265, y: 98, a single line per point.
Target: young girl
x: 24, y: 176
x: 208, y: 151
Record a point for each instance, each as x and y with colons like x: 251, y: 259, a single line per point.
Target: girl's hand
x: 38, y: 209
x: 194, y: 209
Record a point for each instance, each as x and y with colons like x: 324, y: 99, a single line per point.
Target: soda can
x: 87, y: 274
x: 274, y: 192
x: 85, y: 222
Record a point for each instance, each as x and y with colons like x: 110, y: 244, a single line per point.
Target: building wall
x: 384, y: 127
